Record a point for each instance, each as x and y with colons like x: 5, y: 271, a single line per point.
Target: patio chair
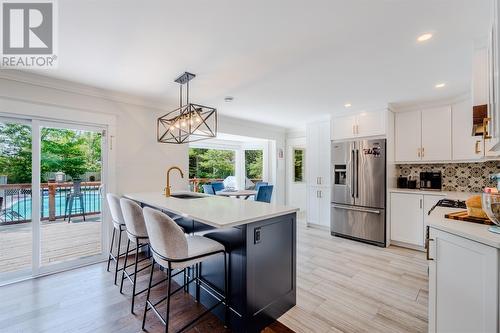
x: 218, y: 186
x: 259, y: 184
x: 264, y: 194
x: 76, y: 193
x: 208, y: 189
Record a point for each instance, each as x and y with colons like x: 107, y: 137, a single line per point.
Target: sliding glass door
x: 16, y: 229
x: 51, y: 197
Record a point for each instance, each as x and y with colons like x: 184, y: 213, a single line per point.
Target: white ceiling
x: 285, y: 62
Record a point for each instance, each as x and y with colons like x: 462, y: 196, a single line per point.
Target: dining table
x: 237, y: 193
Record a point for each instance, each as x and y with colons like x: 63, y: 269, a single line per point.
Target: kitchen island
x: 261, y: 241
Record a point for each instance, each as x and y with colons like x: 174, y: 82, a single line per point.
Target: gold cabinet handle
x: 423, y: 151
x: 478, y: 146
x: 418, y: 152
x: 486, y: 135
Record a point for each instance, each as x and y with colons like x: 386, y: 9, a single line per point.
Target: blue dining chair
x: 218, y: 186
x: 264, y: 194
x: 259, y: 184
x: 208, y: 189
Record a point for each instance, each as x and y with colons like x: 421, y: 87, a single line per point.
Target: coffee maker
x: 430, y: 180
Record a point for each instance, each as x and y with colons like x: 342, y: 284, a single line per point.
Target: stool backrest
x: 77, y: 187
x: 134, y: 220
x: 115, y: 209
x: 259, y: 184
x: 208, y: 189
x: 264, y: 194
x: 165, y: 237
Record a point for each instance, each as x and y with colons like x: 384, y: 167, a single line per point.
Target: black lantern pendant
x: 189, y: 122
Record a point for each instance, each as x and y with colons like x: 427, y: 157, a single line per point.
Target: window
x: 210, y: 164
x: 298, y: 164
x: 253, y: 165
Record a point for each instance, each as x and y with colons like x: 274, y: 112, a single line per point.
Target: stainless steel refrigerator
x: 359, y: 190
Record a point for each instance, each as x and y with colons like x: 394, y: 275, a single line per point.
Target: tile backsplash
x: 461, y: 177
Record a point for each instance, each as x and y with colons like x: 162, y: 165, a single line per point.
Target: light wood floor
x: 60, y: 241
x: 346, y: 286
x: 343, y: 286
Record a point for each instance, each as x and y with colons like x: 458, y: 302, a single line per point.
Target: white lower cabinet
x: 409, y: 217
x: 463, y: 284
x: 318, y: 206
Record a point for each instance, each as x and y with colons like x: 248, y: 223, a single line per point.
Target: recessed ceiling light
x: 228, y: 99
x: 424, y: 37
x: 347, y: 105
x: 440, y: 85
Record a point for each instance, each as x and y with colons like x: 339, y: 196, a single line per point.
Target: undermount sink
x: 186, y: 196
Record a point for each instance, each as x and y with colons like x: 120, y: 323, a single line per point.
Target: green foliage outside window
x: 253, y: 164
x: 298, y: 160
x: 70, y: 151
x: 211, y: 163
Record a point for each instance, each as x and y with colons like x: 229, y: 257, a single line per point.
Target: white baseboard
x: 408, y: 246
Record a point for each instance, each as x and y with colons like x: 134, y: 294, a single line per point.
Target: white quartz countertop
x: 448, y: 194
x: 473, y: 231
x: 216, y: 211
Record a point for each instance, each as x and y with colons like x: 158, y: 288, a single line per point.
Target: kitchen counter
x: 261, y: 245
x: 448, y: 194
x: 215, y: 211
x: 473, y: 231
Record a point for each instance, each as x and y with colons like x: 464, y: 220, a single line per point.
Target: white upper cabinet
x: 343, y: 127
x: 465, y: 146
x: 436, y: 134
x: 480, y: 77
x: 364, y: 124
x: 423, y: 135
x: 371, y: 123
x: 408, y: 140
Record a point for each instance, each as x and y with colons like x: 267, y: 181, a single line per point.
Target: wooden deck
x: 61, y: 241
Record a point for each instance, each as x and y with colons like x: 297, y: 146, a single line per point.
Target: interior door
x: 370, y: 183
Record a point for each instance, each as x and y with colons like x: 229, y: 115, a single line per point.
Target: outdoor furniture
x: 264, y: 194
x: 259, y: 184
x: 173, y: 250
x: 76, y: 193
x: 240, y: 193
x: 218, y: 186
x: 208, y: 189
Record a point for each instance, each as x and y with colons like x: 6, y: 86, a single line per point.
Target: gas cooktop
x: 449, y: 204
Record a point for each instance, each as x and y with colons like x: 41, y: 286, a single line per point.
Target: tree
x: 15, y: 152
x: 211, y: 163
x: 253, y: 164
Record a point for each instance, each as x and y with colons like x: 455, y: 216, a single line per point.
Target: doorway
x: 51, y: 196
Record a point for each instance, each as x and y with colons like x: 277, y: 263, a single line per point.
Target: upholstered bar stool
x: 137, y: 234
x: 118, y: 225
x: 173, y: 250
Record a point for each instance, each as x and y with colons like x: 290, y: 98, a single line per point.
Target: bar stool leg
x: 111, y: 247
x: 135, y: 273
x: 124, y: 267
x: 168, y: 293
x: 147, y: 295
x: 118, y: 254
x: 198, y: 268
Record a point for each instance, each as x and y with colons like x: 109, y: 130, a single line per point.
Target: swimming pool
x: 21, y: 209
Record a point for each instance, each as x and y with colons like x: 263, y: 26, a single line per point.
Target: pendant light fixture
x: 189, y: 122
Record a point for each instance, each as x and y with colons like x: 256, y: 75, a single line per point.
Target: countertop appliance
x: 430, y: 180
x: 359, y: 190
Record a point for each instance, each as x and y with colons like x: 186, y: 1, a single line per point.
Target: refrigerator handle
x: 353, y: 174
x: 357, y: 170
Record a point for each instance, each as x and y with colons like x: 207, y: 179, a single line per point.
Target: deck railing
x: 15, y: 201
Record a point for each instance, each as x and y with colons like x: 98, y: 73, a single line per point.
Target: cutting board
x: 463, y: 216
